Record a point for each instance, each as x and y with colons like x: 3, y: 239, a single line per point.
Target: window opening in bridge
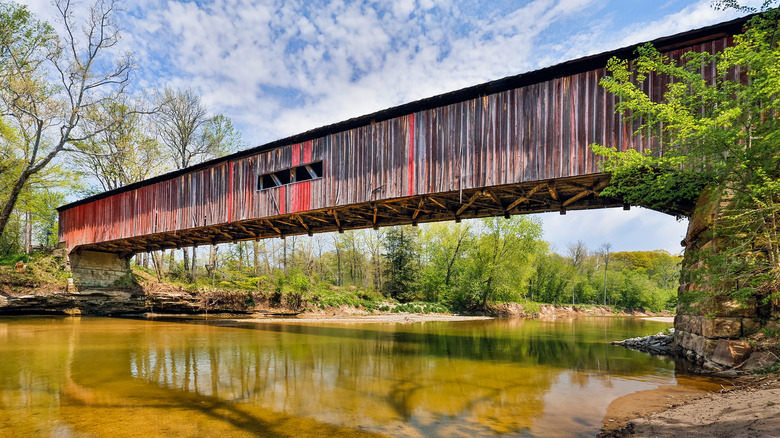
x: 305, y: 172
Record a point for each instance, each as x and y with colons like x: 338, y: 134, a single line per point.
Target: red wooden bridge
x: 512, y: 146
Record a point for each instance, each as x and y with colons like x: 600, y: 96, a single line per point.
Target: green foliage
x: 719, y: 136
x: 499, y: 261
x: 403, y: 265
x: 532, y: 307
x: 11, y: 238
x: 639, y: 279
x: 418, y: 307
x: 551, y: 280
x: 12, y: 259
x: 41, y: 271
x: 523, y: 270
x: 326, y: 296
x: 444, y: 258
x: 50, y: 92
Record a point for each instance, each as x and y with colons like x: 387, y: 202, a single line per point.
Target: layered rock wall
x: 708, y: 327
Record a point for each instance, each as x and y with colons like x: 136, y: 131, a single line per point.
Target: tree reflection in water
x: 103, y: 376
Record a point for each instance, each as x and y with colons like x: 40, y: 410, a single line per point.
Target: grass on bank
x: 39, y: 272
x: 42, y: 273
x: 296, y: 292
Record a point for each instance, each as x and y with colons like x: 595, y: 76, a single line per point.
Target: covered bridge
x: 512, y: 146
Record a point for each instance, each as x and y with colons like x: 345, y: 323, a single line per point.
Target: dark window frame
x: 291, y: 175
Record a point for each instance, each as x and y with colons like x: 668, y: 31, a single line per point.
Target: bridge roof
x: 567, y: 68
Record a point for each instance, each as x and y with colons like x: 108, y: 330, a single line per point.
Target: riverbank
x: 44, y: 288
x: 745, y: 407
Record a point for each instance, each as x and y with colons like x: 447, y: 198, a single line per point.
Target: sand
x: 671, y: 412
x: 384, y: 318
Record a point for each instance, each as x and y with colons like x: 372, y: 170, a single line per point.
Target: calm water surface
x: 100, y: 377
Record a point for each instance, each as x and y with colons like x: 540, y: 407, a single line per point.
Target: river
x: 107, y: 377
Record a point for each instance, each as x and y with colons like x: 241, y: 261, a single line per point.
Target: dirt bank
x: 748, y: 407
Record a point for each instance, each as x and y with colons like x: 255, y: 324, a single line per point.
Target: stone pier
x: 94, y: 269
x: 708, y: 329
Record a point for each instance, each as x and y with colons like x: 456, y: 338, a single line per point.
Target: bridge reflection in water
x: 142, y: 378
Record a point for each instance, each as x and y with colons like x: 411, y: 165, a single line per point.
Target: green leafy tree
x: 719, y: 135
x: 500, y: 259
x: 444, y: 247
x: 50, y: 87
x: 551, y: 279
x: 403, y: 263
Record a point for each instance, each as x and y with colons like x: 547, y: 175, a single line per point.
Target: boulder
x: 731, y: 353
x: 759, y: 359
x: 773, y: 325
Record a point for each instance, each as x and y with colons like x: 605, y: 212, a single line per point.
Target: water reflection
x: 104, y: 376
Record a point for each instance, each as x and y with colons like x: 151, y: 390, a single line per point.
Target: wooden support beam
x: 222, y: 233
x: 437, y: 202
x: 553, y: 190
x: 576, y: 197
x: 338, y: 222
x: 271, y: 225
x: 525, y: 198
x: 587, y: 191
x: 244, y: 229
x: 417, y: 211
x: 305, y: 227
x: 318, y: 219
x: 494, y: 196
x: 390, y: 207
x: 468, y: 203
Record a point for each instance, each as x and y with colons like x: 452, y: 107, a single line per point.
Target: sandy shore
x: 751, y: 411
x: 669, y: 319
x: 384, y: 318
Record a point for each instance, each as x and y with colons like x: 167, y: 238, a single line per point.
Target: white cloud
x: 694, y: 16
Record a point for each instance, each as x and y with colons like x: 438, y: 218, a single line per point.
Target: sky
x: 279, y: 68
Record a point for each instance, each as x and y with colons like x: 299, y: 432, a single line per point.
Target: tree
x: 191, y: 136
x: 500, y: 259
x: 718, y: 137
x: 402, y: 254
x: 123, y: 154
x: 578, y: 252
x: 185, y: 128
x: 49, y: 87
x: 444, y: 248
x: 604, y: 254
x: 551, y: 278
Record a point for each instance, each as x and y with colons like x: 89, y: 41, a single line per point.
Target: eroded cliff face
x: 709, y: 322
x: 85, y: 302
x: 43, y: 288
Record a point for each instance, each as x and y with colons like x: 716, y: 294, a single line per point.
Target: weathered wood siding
x: 531, y: 133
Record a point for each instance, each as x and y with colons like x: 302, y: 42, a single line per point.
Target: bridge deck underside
x: 559, y: 195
